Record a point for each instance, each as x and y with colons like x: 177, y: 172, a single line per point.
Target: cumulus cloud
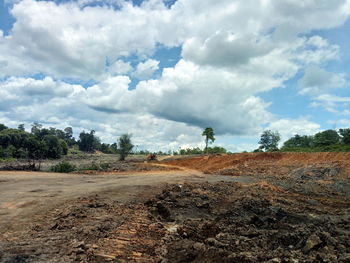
x: 289, y: 127
x: 232, y: 52
x: 317, y: 80
x: 145, y: 70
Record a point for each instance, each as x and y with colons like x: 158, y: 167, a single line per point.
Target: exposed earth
x: 264, y: 207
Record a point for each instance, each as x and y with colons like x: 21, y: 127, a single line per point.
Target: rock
x: 199, y: 246
x: 275, y: 260
x: 215, y: 243
x: 312, y: 242
x: 163, y: 210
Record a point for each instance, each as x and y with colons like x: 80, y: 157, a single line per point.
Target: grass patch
x: 63, y: 167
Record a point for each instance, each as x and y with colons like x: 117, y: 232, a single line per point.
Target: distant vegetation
x: 47, y: 143
x: 52, y: 143
x: 324, y: 141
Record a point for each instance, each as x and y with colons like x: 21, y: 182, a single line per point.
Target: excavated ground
x: 295, y: 208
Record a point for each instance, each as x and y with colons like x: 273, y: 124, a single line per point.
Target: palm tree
x: 209, y: 136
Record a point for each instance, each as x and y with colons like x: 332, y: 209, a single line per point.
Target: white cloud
x: 289, y: 127
x: 145, y: 70
x: 231, y: 53
x: 317, y: 80
x: 332, y: 98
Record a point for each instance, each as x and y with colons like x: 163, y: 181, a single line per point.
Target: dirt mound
x: 232, y: 223
x: 263, y: 163
x: 89, y: 229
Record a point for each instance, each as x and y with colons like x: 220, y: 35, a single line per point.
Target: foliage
x: 63, y: 167
x: 299, y: 141
x: 194, y: 151
x: 327, y: 137
x: 209, y: 136
x: 269, y: 140
x: 2, y: 127
x: 96, y: 167
x: 125, y: 146
x: 216, y: 149
x: 86, y: 141
x: 345, y: 136
x: 21, y: 127
x: 325, y: 141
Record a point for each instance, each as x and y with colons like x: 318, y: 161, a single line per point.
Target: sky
x: 163, y: 70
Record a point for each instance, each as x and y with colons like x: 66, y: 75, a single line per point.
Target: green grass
x: 63, y: 167
x: 7, y: 160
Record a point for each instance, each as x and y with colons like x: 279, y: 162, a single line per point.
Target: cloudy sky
x: 163, y: 69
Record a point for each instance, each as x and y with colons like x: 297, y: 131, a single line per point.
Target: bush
x: 63, y: 167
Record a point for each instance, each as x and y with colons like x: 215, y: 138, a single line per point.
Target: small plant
x: 93, y: 166
x: 104, y: 166
x: 63, y: 167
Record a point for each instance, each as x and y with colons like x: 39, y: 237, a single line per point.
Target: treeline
x: 324, y: 141
x: 208, y: 150
x: 51, y: 143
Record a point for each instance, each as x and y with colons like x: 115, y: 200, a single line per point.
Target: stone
x: 312, y: 242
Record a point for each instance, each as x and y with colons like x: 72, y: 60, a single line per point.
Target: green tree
x: 326, y: 138
x: 125, y: 146
x: 36, y: 127
x: 21, y: 127
x: 2, y: 127
x: 86, y: 141
x: 299, y: 141
x: 68, y: 136
x: 209, y: 136
x: 269, y: 140
x: 54, y: 147
x: 345, y: 133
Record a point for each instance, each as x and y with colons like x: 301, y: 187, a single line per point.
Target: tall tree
x: 326, y: 138
x: 209, y: 136
x: 299, y: 141
x: 86, y: 141
x: 345, y: 133
x: 269, y: 140
x: 21, y: 127
x: 2, y: 127
x: 125, y: 146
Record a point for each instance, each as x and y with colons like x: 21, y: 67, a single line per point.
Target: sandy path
x: 25, y: 193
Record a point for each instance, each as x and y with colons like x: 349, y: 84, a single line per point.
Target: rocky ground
x: 300, y: 213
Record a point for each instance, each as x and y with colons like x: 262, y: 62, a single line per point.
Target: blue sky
x: 165, y: 70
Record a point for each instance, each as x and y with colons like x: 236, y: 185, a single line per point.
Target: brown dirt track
x: 265, y: 207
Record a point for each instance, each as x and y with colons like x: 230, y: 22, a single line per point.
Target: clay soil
x: 273, y: 207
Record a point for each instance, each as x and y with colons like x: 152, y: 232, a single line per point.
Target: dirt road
x: 23, y: 194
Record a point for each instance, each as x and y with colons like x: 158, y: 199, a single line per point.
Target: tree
x: 86, y: 141
x: 2, y: 127
x: 345, y: 133
x: 269, y: 140
x: 326, y: 138
x: 209, y: 136
x: 299, y: 141
x: 21, y: 127
x: 54, y: 147
x: 36, y: 127
x: 125, y: 146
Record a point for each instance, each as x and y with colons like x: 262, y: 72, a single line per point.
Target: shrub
x: 63, y: 167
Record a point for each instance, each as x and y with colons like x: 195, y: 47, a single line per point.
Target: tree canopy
x: 209, y: 136
x: 125, y: 146
x: 269, y: 140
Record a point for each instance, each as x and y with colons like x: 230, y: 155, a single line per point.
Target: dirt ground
x: 222, y: 208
